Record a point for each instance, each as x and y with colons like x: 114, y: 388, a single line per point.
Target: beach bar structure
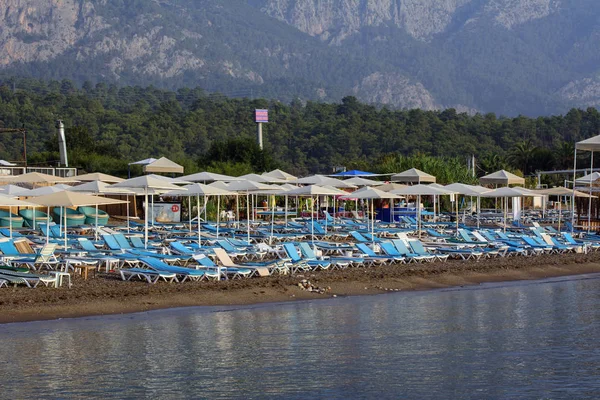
x: 592, y: 145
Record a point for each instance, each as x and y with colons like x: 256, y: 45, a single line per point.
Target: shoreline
x: 109, y: 295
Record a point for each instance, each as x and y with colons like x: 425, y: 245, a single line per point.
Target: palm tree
x: 522, y: 154
x: 563, y: 154
x: 491, y: 162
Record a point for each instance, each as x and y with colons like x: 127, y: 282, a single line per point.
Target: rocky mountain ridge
x: 505, y: 56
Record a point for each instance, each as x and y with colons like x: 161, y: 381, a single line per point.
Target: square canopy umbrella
x: 566, y: 192
x: 99, y: 176
x: 322, y: 180
x: 197, y: 190
x: 163, y: 165
x: 6, y: 201
x: 360, y: 182
x: 43, y: 190
x: 423, y: 190
x: 37, y: 177
x: 14, y: 191
x: 261, y: 178
x: 148, y: 184
x: 501, y: 177
x: 279, y: 174
x: 310, y: 191
x: 207, y: 177
x: 509, y: 192
x: 250, y: 187
x: 413, y: 175
x: 371, y: 194
x: 71, y: 199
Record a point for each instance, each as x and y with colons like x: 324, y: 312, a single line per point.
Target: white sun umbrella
x: 6, y: 201
x: 369, y: 193
x: 148, y: 184
x: 207, y: 177
x: 197, y: 190
x: 14, y: 190
x: 422, y: 190
x: 101, y: 187
x: 248, y: 187
x: 322, y: 180
x: 506, y: 192
x: 314, y: 190
x: 261, y: 178
x: 273, y: 191
x: 469, y: 190
x: 561, y: 191
x: 66, y: 199
x: 413, y: 175
x: 43, y: 190
x: 174, y: 181
x: 37, y: 177
x: 279, y: 174
x: 219, y: 184
x: 286, y: 187
x: 360, y: 182
x: 99, y: 176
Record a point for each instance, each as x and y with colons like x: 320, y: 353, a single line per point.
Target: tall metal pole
x: 260, y: 135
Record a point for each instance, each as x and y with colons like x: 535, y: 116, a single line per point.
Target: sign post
x: 261, y: 116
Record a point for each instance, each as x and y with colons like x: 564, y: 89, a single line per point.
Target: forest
x: 108, y: 127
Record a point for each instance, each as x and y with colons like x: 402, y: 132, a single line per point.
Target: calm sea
x: 536, y: 340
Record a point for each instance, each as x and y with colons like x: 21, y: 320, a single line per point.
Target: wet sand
x: 107, y: 294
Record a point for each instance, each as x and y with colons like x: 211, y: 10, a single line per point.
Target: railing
x: 62, y: 172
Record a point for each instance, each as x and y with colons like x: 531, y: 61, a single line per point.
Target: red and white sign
x: 261, y: 116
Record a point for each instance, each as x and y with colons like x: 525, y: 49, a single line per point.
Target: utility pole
x: 24, y: 132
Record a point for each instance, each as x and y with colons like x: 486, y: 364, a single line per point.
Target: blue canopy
x: 354, y: 172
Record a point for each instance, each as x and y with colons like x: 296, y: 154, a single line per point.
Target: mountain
x: 512, y: 57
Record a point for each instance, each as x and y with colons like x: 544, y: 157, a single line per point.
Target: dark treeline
x: 108, y: 126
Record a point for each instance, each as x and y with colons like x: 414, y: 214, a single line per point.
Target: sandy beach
x: 107, y: 294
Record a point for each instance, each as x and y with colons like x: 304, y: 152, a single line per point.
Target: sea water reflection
x: 529, y: 339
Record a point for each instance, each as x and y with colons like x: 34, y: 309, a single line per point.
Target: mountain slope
x: 507, y: 56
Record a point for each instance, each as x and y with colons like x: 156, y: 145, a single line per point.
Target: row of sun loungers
x: 175, y: 255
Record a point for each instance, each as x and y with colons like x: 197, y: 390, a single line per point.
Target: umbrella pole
x: 248, y: 215
x: 286, y: 210
x: 48, y: 225
x: 590, y: 198
x: 559, y: 212
x: 146, y: 217
x: 312, y: 220
x: 128, y: 214
x: 96, y: 230
x: 272, y: 221
x: 152, y: 213
x: 419, y: 212
x: 573, y: 197
x: 65, y: 226
x: 478, y: 209
x: 218, y: 214
x: 505, y: 207
x: 198, y: 216
x: 372, y: 223
x: 190, y: 211
x: 456, y: 214
x: 327, y: 203
x: 237, y: 210
x: 10, y: 220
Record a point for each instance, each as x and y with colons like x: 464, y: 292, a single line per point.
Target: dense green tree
x: 108, y: 127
